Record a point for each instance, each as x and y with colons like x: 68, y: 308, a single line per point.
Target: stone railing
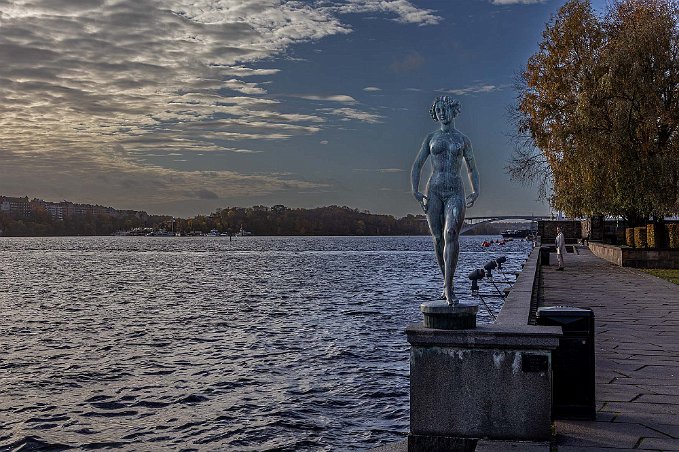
x: 636, y: 257
x: 519, y: 306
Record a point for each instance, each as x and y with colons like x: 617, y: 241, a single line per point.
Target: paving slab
x: 659, y: 444
x: 670, y: 430
x: 602, y: 434
x: 485, y: 445
x: 593, y: 449
x: 637, y: 355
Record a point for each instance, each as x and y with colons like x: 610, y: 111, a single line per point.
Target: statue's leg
x: 454, y: 217
x: 435, y: 219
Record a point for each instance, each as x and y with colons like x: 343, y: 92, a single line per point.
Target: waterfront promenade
x: 637, y: 359
x: 637, y: 355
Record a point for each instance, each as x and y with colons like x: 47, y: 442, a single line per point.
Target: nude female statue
x: 445, y: 203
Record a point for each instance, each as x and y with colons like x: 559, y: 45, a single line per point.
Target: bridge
x: 472, y: 222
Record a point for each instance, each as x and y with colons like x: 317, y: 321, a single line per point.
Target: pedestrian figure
x: 560, y: 243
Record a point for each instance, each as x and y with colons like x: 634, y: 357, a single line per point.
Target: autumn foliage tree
x: 598, y: 111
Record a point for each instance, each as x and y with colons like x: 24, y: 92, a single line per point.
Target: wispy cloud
x: 243, y: 87
x: 380, y: 170
x: 474, y: 89
x: 404, y: 11
x: 242, y: 151
x: 514, y: 2
x: 349, y: 114
x: 371, y: 89
x: 332, y: 98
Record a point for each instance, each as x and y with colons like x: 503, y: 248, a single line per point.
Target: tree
x: 598, y: 111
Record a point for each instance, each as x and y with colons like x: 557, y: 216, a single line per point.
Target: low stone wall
x: 610, y: 253
x: 516, y: 309
x: 633, y: 257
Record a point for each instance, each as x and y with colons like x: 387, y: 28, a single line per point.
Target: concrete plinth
x: 490, y: 382
x: 444, y: 316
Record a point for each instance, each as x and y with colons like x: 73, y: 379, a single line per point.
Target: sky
x: 180, y: 107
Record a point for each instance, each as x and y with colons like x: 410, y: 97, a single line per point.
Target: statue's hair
x: 448, y: 101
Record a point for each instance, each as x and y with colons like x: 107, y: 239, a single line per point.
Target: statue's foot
x: 450, y: 296
x: 443, y: 295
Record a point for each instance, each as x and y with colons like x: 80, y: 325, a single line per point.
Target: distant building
x: 22, y: 207
x: 55, y: 211
x: 17, y: 207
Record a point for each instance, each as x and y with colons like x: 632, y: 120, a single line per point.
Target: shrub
x: 651, y: 235
x: 640, y: 237
x: 629, y: 237
x: 673, y: 235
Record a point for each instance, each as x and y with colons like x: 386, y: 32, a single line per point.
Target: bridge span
x: 472, y: 222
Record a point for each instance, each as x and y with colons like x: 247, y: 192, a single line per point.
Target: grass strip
x: 672, y: 275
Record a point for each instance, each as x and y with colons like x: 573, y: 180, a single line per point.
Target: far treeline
x: 598, y: 111
x: 259, y: 220
x: 281, y: 220
x: 41, y: 224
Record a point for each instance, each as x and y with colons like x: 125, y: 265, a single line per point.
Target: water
x: 262, y: 343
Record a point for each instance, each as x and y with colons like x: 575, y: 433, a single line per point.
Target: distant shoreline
x: 234, y: 237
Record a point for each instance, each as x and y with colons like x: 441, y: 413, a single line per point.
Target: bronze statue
x: 445, y: 201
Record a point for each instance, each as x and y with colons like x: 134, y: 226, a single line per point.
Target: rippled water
x: 260, y: 343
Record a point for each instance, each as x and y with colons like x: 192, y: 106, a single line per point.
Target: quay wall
x: 634, y: 257
x: 492, y: 382
x: 519, y: 306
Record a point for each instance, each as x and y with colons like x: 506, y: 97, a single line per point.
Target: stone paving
x: 637, y: 355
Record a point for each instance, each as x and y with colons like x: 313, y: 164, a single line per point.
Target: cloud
x: 323, y: 142
x: 404, y: 11
x: 205, y: 194
x: 348, y: 114
x: 242, y: 151
x: 408, y: 63
x: 515, y: 2
x: 333, y: 98
x: 241, y: 71
x: 380, y: 170
x: 474, y: 89
x: 79, y: 78
x: 125, y: 184
x: 243, y: 87
x: 371, y: 89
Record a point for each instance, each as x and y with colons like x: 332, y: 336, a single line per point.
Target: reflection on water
x: 205, y: 344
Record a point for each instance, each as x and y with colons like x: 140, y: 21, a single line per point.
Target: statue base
x: 443, y: 316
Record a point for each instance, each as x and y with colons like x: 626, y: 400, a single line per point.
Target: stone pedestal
x: 490, y: 382
x: 443, y: 316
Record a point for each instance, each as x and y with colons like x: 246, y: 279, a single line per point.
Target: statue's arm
x: 422, y: 156
x: 472, y: 172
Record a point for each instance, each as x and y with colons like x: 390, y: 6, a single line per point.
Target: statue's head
x: 444, y: 109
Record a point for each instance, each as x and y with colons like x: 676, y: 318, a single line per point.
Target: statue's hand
x: 422, y: 200
x: 471, y: 198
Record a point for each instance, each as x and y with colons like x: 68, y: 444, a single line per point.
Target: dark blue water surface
x: 260, y: 343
